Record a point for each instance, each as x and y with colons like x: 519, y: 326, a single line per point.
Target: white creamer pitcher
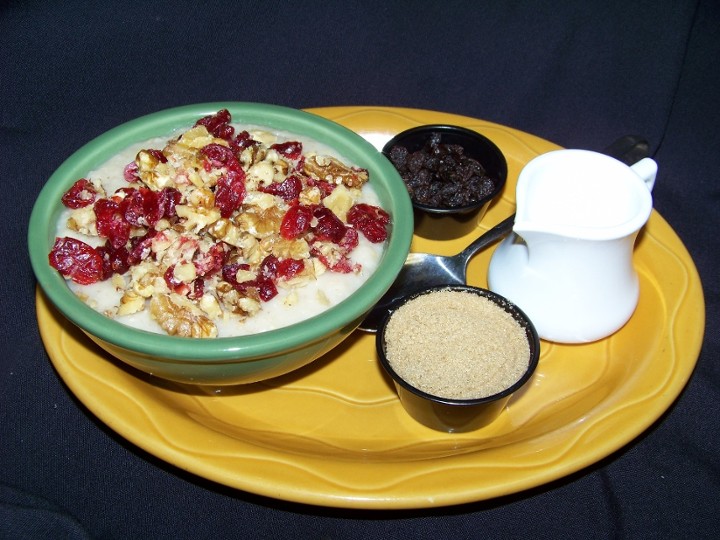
x: 568, y: 262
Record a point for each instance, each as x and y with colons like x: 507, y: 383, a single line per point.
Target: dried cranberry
x: 289, y: 268
x: 220, y: 156
x: 218, y: 124
x: 157, y: 154
x: 288, y: 190
x: 197, y: 290
x: 76, y: 260
x: 211, y: 261
x: 263, y: 285
x: 230, y: 192
x: 168, y: 198
x: 266, y: 288
x: 174, y: 284
x: 370, y: 220
x: 242, y: 141
x: 110, y: 222
x: 296, y: 222
x: 141, y: 247
x: 329, y: 227
x: 350, y: 241
x: 140, y: 207
x: 325, y: 187
x: 115, y: 260
x: 342, y: 266
x: 130, y: 172
x: 81, y: 194
x: 269, y: 266
x: 289, y: 149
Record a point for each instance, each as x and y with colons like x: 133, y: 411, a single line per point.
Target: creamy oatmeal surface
x: 221, y: 230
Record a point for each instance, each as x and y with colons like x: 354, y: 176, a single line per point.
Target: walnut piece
x: 331, y: 170
x: 178, y: 316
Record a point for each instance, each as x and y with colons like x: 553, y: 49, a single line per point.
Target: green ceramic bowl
x: 233, y: 360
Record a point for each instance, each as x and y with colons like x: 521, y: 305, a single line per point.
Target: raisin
x: 81, y: 194
x: 77, y: 260
x: 441, y: 175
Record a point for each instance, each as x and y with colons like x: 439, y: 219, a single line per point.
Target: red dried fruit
x: 264, y: 285
x: 115, y: 260
x: 370, y: 220
x: 81, y: 194
x: 325, y: 187
x: 76, y: 260
x: 197, y: 290
x: 266, y: 288
x: 343, y: 265
x: 288, y: 190
x: 269, y: 266
x: 220, y: 156
x: 130, y: 172
x: 329, y: 227
x: 350, y: 241
x: 141, y: 247
x: 274, y: 268
x: 168, y: 198
x: 230, y: 192
x: 211, y: 261
x: 242, y: 141
x: 140, y: 207
x: 174, y: 284
x: 157, y: 154
x: 289, y: 268
x: 218, y: 124
x: 229, y: 272
x: 296, y: 222
x: 288, y: 149
x: 110, y: 222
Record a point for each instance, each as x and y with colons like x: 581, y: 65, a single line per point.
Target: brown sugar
x: 457, y: 345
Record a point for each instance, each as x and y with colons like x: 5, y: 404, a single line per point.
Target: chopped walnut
x: 260, y: 222
x: 178, y: 316
x: 332, y: 170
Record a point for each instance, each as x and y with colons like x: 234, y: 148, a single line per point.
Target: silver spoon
x: 422, y: 270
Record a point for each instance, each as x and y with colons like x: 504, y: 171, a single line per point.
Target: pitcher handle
x: 646, y: 169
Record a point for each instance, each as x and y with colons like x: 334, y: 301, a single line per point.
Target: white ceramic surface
x: 569, y: 261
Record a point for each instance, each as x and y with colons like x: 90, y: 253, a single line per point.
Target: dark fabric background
x: 577, y: 73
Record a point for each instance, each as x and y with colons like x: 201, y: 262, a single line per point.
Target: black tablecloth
x: 578, y: 74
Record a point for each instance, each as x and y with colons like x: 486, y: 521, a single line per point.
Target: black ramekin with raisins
x: 451, y: 173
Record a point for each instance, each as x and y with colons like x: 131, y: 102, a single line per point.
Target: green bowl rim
x: 162, y: 123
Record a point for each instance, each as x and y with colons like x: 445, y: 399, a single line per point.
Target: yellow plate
x: 334, y: 433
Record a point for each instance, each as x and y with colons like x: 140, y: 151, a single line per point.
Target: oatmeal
x: 222, y: 230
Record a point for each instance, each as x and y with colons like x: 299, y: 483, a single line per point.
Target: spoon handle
x: 498, y: 232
